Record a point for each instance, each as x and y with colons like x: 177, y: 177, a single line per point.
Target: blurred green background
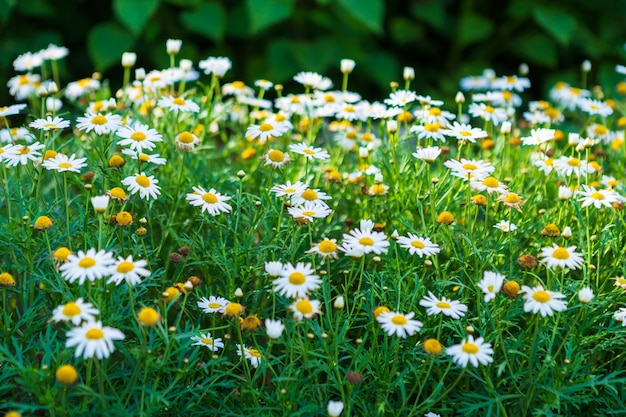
x: 274, y: 39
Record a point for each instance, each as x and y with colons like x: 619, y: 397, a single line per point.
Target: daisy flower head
x: 471, y: 350
x: 297, y: 281
x: 24, y: 85
x: 54, y: 52
x: 76, y: 89
x: 505, y: 226
x: 289, y: 189
x: 178, y: 104
x: 62, y: 163
x: 250, y: 354
x: 128, y: 270
x: 470, y: 169
x: 309, y: 211
x: 585, y: 295
x: 463, y: 131
x: 146, y: 186
x: 313, y: 80
x: 556, y: 256
x: 598, y: 198
x: 155, y: 159
x: 538, y: 136
x: 450, y: 308
x: 538, y: 300
x: 138, y: 137
x: 432, y: 131
x: 21, y: 154
x: 50, y: 123
x: 101, y: 124
x: 186, y: 141
x: 75, y: 311
x: 428, y: 154
x: 416, y: 245
x: 310, y: 195
x: 207, y: 341
x: 401, y: 98
x: 213, y: 304
x: 93, y: 339
x: 309, y: 152
x: 266, y: 131
x: 620, y: 281
x: 491, y: 284
x: 273, y: 268
x: 28, y: 61
x: 594, y: 107
x: 211, y: 201
x: 489, y: 184
x: 327, y: 248
x: 89, y: 265
x: 274, y: 328
x: 496, y: 115
x: 303, y: 308
x: 512, y: 200
x: 276, y: 158
x: 217, y: 65
x: 511, y: 82
x: 365, y: 240
x: 399, y: 324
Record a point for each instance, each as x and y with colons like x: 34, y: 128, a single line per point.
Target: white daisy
x: 76, y: 89
x: 28, y: 61
x: 489, y: 184
x: 21, y: 154
x: 211, y: 201
x: 399, y: 324
x: 101, y: 124
x: 217, y: 65
x: 178, y: 104
x: 305, y: 308
x: 186, y: 141
x: 428, y: 154
x: 470, y: 350
x: 463, y: 131
x: 128, y: 270
x: 620, y: 315
x: 488, y: 113
x: 213, y: 304
x: 276, y: 158
x: 556, y: 256
x: 274, y: 328
x: 8, y: 151
x: 298, y: 281
x: 451, y: 308
x: 140, y: 183
x: 289, y: 189
x: 138, y: 137
x: 327, y: 248
x: 50, y: 123
x: 93, y: 339
x: 91, y: 265
x: 538, y: 136
x: 598, y: 198
x: 365, y: 240
x: 310, y: 211
x: 416, y: 245
x: 401, y: 98
x: 310, y: 195
x: 593, y: 107
x: 273, y: 268
x: 75, y: 311
x: 541, y: 301
x: 309, y: 151
x: 62, y: 163
x: 312, y: 80
x: 491, y: 284
x: 585, y: 295
x: 207, y: 341
x: 505, y: 225
x: 265, y: 131
x: 470, y: 169
x: 432, y: 131
x: 251, y: 354
x: 155, y: 159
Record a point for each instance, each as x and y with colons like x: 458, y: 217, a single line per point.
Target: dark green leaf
x: 265, y: 13
x: 134, y: 14
x: 537, y: 49
x: 433, y: 13
x: 370, y: 13
x: 560, y: 24
x: 473, y: 28
x: 106, y: 42
x: 404, y: 31
x: 207, y: 20
x: 185, y: 3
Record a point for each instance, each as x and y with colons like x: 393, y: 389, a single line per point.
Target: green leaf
x: 474, y: 28
x: 560, y: 24
x: 537, y: 49
x: 265, y: 13
x: 106, y: 42
x: 404, y: 31
x: 207, y: 20
x: 370, y: 13
x: 134, y: 14
x: 434, y: 14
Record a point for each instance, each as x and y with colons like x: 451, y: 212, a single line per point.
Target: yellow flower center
x: 308, y: 213
x: 574, y: 162
x: 276, y: 156
x: 62, y: 253
x: 86, y: 262
x: 254, y: 352
x: 417, y: 244
x: 469, y: 348
x: 489, y: 109
x: 143, y: 181
x: 238, y: 85
x: 490, y: 288
x: 309, y: 151
x: 349, y: 109
x: 206, y: 341
x: 327, y: 246
x: 560, y: 253
x: 366, y: 241
x: 399, y: 320
x: 49, y: 125
x: 512, y: 198
x: 468, y: 167
x: 491, y: 182
x: 266, y: 127
x: 329, y: 98
x: 297, y: 278
x: 507, y: 96
x: 435, y: 111
x: 125, y: 267
x: 304, y: 307
x: 210, y: 198
x: 442, y: 304
x: 99, y: 120
x: 600, y: 130
x: 378, y: 189
x: 186, y: 137
x: 148, y: 316
x: 351, y: 135
x: 233, y: 309
x: 541, y: 296
x: 23, y: 80
x: 309, y: 195
x: 597, y: 196
x: 65, y: 165
x: 143, y: 157
x: 431, y: 127
x: 24, y: 150
x: 71, y: 309
x: 138, y: 136
x: 214, y: 305
x: 94, y: 334
x: 178, y: 101
x: 465, y: 133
